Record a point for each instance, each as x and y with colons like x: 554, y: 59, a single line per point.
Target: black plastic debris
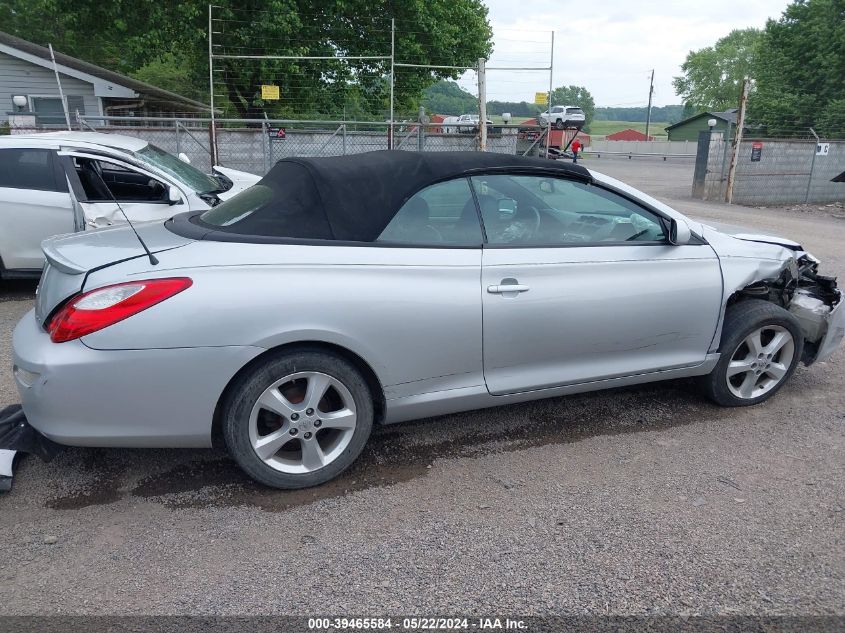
x: 5, y: 483
x: 17, y: 435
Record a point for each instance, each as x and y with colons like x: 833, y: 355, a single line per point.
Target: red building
x: 628, y: 135
x: 436, y: 118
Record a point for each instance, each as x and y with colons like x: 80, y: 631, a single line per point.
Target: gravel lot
x: 647, y: 500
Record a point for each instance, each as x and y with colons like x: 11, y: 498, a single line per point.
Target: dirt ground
x: 647, y: 500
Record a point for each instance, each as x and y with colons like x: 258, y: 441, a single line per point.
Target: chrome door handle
x: 503, y: 288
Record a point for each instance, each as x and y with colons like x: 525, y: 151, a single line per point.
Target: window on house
x: 75, y: 103
x: 48, y: 110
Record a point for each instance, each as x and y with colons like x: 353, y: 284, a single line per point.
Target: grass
x: 657, y: 129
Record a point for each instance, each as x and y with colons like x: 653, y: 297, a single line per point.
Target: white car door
x: 34, y: 205
x: 580, y: 284
x: 100, y: 181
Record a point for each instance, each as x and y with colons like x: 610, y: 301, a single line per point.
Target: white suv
x: 63, y: 182
x: 563, y: 117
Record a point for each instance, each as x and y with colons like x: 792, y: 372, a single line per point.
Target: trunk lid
x: 71, y: 257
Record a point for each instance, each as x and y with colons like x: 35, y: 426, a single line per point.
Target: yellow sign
x: 541, y: 98
x: 270, y: 93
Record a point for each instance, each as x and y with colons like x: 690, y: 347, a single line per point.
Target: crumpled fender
x: 750, y: 260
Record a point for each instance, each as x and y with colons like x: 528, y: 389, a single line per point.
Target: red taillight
x: 106, y: 306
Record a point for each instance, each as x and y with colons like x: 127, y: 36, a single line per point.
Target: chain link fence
x: 773, y: 171
x: 256, y: 145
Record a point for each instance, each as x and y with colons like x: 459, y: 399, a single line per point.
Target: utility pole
x: 648, y: 112
x: 740, y: 123
x: 482, y: 104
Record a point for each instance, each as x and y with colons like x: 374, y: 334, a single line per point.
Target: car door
x: 429, y: 265
x: 580, y: 284
x: 100, y: 180
x: 34, y: 205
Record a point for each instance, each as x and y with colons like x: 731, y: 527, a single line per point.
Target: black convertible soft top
x: 354, y: 197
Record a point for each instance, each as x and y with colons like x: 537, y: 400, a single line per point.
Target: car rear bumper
x: 80, y: 396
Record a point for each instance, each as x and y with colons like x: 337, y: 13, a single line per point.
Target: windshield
x: 238, y: 207
x: 182, y: 171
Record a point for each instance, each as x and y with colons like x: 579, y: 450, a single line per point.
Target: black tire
x: 559, y: 125
x: 742, y: 319
x: 245, y: 392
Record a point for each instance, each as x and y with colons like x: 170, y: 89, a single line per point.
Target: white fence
x: 644, y: 148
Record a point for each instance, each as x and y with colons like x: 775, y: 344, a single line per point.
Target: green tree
x: 575, y: 96
x: 670, y: 113
x: 515, y: 108
x: 447, y: 97
x: 171, y: 71
x: 713, y: 76
x: 800, y: 71
x: 167, y: 41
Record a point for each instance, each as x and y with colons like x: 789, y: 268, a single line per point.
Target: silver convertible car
x: 339, y: 293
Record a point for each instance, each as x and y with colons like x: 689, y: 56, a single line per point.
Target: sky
x: 608, y: 46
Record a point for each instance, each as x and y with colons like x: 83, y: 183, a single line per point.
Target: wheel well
x: 742, y: 295
x: 362, y: 366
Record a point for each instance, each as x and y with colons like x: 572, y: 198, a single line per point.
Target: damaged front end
x: 812, y: 298
x: 780, y: 271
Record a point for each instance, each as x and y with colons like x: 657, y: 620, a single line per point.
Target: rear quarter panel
x: 413, y: 314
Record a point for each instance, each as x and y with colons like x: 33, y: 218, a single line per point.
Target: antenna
x: 153, y: 259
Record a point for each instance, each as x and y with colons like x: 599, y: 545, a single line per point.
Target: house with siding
x: 27, y: 72
x: 688, y: 129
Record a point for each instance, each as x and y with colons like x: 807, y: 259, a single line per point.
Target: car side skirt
x: 450, y: 401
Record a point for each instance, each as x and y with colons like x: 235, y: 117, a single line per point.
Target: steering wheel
x: 524, y: 226
x: 534, y: 220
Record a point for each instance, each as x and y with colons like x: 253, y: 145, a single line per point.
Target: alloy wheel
x: 760, y: 362
x: 302, y: 422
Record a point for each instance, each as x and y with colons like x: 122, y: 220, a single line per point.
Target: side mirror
x: 173, y: 196
x: 184, y: 158
x: 679, y: 232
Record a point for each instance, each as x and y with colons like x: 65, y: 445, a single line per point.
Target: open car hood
x: 240, y: 180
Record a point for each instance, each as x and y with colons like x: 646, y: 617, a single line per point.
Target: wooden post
x: 482, y: 104
x: 740, y: 123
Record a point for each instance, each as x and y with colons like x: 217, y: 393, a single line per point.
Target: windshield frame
x: 185, y: 173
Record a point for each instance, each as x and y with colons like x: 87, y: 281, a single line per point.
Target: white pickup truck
x: 563, y: 117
